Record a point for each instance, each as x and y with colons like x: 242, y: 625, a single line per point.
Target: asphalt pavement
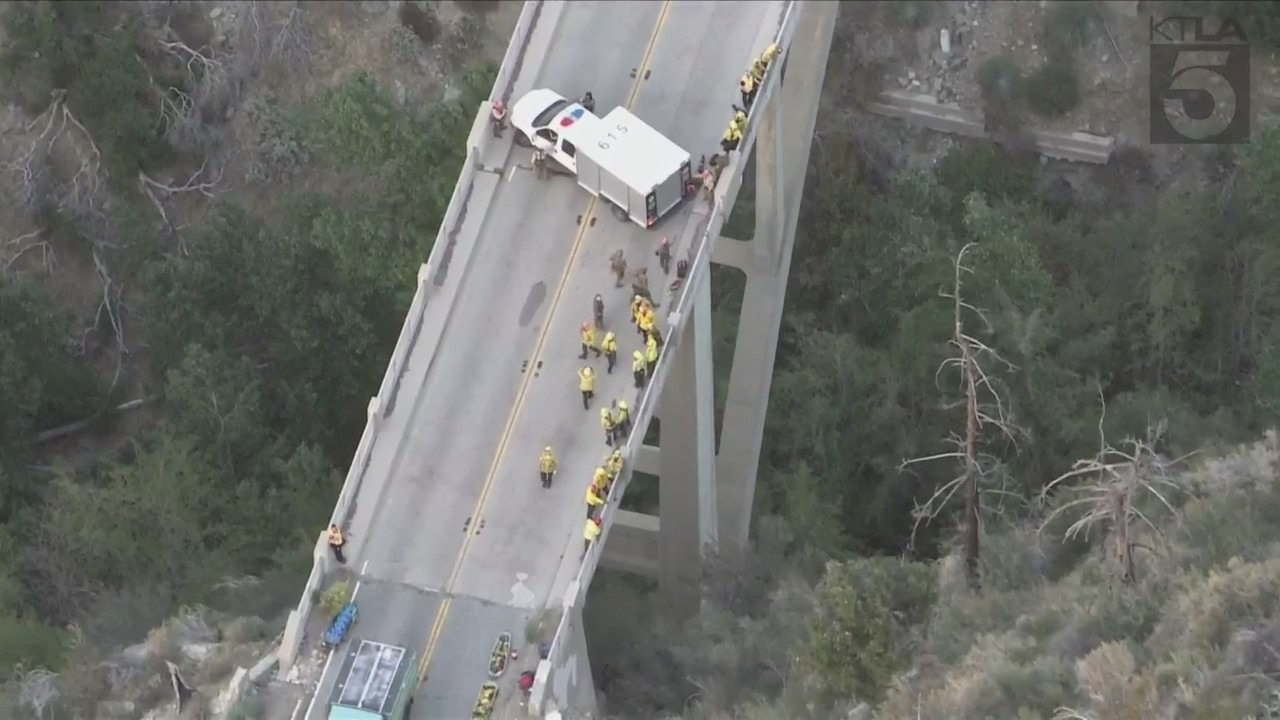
x: 463, y: 543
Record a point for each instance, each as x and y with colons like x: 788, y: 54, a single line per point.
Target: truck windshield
x: 546, y: 116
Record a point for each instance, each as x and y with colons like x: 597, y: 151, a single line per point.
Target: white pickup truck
x: 618, y: 158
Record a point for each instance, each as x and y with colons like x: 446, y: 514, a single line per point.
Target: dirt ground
x: 268, y: 57
x: 897, y: 46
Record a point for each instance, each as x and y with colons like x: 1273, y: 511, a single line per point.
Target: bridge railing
x: 699, y: 272
x: 383, y: 404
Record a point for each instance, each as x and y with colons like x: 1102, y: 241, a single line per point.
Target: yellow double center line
x: 437, y: 626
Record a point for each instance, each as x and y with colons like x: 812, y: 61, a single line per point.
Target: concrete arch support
x: 686, y: 480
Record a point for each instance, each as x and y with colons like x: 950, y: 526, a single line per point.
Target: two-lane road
x: 464, y: 542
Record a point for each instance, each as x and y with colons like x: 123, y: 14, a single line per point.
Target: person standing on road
x: 622, y: 420
x: 770, y: 54
x: 590, y: 533
x: 606, y: 422
x: 613, y: 464
x: 747, y: 86
x: 664, y: 256
x: 637, y: 303
x: 647, y: 323
x: 587, y: 385
x: 540, y: 148
x: 337, y: 542
x: 588, y: 340
x: 594, y: 500
x: 618, y: 265
x: 597, y: 309
x: 602, y: 480
x: 650, y: 357
x: 547, y: 466
x: 610, y: 346
x: 656, y: 334
x: 732, y: 136
x: 639, y: 369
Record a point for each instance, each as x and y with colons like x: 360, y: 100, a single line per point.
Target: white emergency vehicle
x: 618, y: 158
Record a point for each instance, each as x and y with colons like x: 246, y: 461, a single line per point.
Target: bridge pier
x: 564, y: 680
x: 687, y: 475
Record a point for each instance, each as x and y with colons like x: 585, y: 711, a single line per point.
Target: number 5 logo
x: 1199, y: 94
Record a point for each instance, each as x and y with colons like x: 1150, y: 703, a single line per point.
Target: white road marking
x: 512, y: 173
x: 316, y: 694
x: 329, y: 658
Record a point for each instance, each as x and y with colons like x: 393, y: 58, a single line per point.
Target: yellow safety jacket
x: 586, y: 380
x: 547, y: 463
x: 591, y: 531
x: 651, y: 350
x: 593, y: 498
x: 610, y: 343
x: 637, y: 361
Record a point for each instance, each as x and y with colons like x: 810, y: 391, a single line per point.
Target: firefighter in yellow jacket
x: 650, y: 357
x: 602, y: 480
x: 622, y: 420
x: 747, y: 86
x: 594, y: 500
x: 589, y: 533
x: 613, y: 464
x: 609, y: 426
x: 588, y: 340
x: 547, y: 466
x: 610, y: 347
x: 587, y: 385
x: 639, y: 369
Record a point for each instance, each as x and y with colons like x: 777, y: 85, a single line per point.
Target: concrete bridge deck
x: 457, y: 541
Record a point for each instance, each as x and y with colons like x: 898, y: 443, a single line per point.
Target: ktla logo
x: 1199, y: 81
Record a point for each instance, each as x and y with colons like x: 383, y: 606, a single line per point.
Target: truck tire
x: 619, y: 213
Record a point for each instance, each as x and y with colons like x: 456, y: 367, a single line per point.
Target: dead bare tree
x: 32, y: 166
x: 277, y: 33
x: 1116, y: 481
x: 77, y: 195
x: 984, y: 408
x: 37, y: 689
x: 14, y: 249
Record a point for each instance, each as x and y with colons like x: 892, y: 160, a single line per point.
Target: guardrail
x: 699, y: 273
x: 383, y: 404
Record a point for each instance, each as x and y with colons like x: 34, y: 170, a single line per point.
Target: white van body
x: 618, y: 158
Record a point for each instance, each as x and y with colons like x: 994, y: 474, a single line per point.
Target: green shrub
x: 1203, y: 616
x: 334, y: 598
x: 1052, y: 89
x: 1067, y: 28
x: 910, y: 13
x: 986, y: 168
x: 999, y: 79
x: 26, y: 642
